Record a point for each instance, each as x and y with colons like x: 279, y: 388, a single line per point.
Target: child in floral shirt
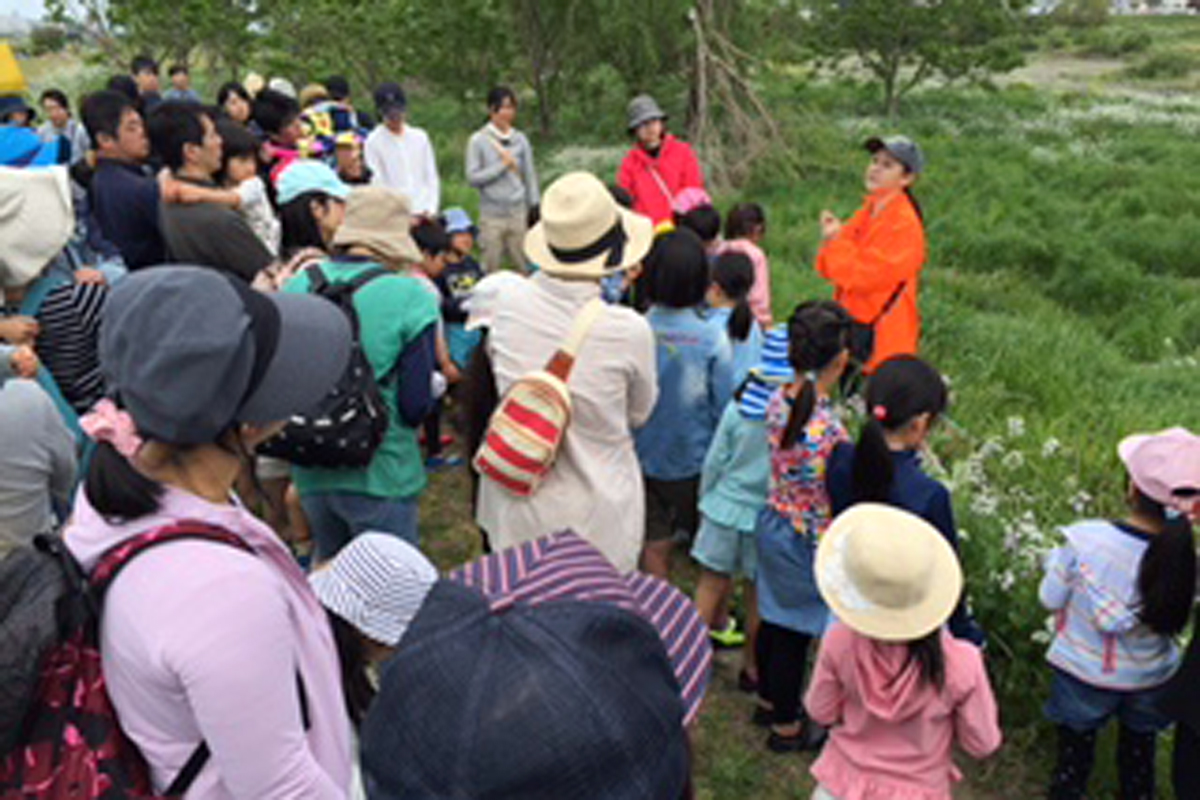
x: 803, y: 429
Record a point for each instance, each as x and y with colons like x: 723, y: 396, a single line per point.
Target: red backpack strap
x: 116, y: 557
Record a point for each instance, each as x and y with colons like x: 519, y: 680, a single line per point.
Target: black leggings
x: 1135, y: 764
x: 782, y: 661
x: 1185, y: 761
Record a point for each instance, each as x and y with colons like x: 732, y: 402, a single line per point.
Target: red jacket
x: 676, y: 167
x: 879, y: 250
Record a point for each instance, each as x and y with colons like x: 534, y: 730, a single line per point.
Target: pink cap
x: 690, y: 199
x: 1164, y: 464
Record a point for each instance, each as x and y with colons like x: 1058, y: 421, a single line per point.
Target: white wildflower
x: 984, y: 504
x: 1007, y: 580
x: 1051, y: 447
x: 1014, y: 460
x: 1016, y: 427
x: 1080, y: 501
x: 992, y: 447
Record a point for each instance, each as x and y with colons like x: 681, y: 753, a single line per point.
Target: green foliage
x: 1164, y: 65
x: 1082, y: 13
x: 907, y: 43
x: 1113, y: 42
x: 47, y: 39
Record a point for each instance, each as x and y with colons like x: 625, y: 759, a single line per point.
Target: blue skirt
x: 787, y: 585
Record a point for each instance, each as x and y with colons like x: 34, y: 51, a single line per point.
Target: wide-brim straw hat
x: 584, y: 233
x: 888, y: 574
x: 378, y: 219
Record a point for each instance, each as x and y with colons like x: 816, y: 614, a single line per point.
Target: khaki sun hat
x: 583, y: 233
x: 36, y: 221
x: 377, y: 218
x: 888, y: 574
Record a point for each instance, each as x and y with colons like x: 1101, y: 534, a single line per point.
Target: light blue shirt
x: 695, y: 382
x: 746, y: 353
x: 737, y: 471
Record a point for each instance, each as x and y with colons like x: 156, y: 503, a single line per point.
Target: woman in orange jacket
x: 874, y: 259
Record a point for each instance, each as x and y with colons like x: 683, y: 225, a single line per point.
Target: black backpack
x: 347, y: 427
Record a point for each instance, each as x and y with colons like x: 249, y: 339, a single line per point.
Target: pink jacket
x: 760, y: 293
x: 203, y: 641
x: 654, y: 182
x: 891, y: 731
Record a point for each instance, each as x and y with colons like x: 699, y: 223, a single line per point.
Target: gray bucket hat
x: 189, y: 351
x: 905, y: 150
x: 643, y: 108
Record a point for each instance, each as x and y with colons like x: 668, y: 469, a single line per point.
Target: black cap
x: 338, y: 87
x: 390, y: 97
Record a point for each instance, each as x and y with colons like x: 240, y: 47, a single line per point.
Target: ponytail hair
x: 931, y: 660
x: 1167, y: 575
x: 818, y: 332
x: 357, y: 689
x: 734, y: 274
x: 902, y: 388
x: 116, y: 489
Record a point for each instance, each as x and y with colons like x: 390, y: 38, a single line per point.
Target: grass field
x: 1061, y: 298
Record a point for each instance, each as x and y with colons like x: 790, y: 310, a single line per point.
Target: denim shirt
x: 695, y: 382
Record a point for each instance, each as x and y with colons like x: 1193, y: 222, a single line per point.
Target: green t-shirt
x: 393, y: 311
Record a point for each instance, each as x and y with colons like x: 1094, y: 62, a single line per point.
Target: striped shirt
x: 67, y: 343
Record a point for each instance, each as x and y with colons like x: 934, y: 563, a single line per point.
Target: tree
x: 904, y: 43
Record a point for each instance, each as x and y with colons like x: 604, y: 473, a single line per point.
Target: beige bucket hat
x: 36, y: 220
x: 888, y: 574
x: 583, y: 233
x: 378, y: 218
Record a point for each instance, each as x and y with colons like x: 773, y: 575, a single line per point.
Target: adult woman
x: 874, y: 260
x: 595, y: 485
x: 236, y: 102
x: 200, y: 638
x: 658, y: 166
x: 312, y: 205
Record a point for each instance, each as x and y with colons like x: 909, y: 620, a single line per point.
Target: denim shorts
x: 1083, y: 707
x: 725, y: 549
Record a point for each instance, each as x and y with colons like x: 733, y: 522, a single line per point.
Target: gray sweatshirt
x: 37, y: 462
x: 501, y: 190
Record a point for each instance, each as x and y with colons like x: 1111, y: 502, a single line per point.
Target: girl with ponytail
x: 729, y: 307
x: 904, y: 399
x: 803, y: 428
x: 1122, y: 590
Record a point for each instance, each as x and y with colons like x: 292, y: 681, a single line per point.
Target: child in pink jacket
x: 896, y: 689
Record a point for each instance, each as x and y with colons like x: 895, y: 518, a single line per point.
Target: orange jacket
x: 879, y: 249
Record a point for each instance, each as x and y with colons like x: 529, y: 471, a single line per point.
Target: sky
x: 29, y: 9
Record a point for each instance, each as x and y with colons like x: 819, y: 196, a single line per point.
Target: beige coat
x: 595, y: 487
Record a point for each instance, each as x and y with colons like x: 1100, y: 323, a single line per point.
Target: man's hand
x: 509, y: 160
x: 831, y: 226
x: 24, y: 362
x: 87, y: 275
x: 19, y: 330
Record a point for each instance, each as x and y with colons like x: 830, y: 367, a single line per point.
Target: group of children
x: 750, y: 465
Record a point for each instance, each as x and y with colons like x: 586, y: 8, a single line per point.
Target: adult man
x: 124, y: 197
x: 181, y: 90
x: 144, y: 70
x: 400, y: 156
x: 205, y: 233
x: 500, y: 165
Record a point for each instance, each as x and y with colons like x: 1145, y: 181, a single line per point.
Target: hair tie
x: 107, y: 423
x: 879, y: 412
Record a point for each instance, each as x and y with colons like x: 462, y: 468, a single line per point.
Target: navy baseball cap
x: 189, y: 351
x: 542, y: 673
x: 390, y: 97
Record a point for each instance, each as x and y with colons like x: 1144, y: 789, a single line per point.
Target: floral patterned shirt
x: 798, y: 490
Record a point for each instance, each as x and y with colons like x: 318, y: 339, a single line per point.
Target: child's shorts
x: 1083, y: 707
x: 672, y: 509
x: 461, y: 343
x: 725, y: 549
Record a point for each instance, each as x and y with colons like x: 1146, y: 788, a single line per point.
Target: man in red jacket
x: 658, y: 166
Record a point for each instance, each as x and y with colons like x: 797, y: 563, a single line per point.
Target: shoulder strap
x: 563, y: 360
x: 662, y: 184
x: 891, y: 301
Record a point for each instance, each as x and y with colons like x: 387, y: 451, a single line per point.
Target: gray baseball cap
x: 189, y: 351
x: 643, y: 108
x: 905, y: 150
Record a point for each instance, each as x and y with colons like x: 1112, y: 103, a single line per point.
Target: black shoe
x: 814, y: 735
x: 762, y: 717
x: 746, y: 683
x: 778, y: 743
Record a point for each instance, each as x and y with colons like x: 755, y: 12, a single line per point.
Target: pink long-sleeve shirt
x: 891, y: 731
x: 202, y: 640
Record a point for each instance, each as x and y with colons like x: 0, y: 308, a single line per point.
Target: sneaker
x: 729, y: 636
x: 439, y: 463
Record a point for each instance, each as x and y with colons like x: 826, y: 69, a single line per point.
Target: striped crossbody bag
x: 527, y: 428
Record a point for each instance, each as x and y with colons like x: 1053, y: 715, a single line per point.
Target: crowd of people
x: 238, y: 338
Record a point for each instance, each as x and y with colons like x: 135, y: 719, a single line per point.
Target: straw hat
x: 377, y: 218
x: 583, y: 233
x: 888, y: 574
